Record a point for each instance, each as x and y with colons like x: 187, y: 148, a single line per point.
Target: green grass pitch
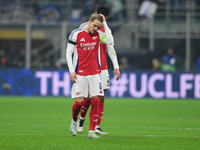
x: 42, y: 123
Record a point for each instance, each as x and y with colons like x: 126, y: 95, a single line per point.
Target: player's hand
x: 117, y: 73
x: 73, y: 77
x: 104, y: 19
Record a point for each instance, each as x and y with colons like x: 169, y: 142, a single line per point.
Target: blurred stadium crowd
x: 137, y: 14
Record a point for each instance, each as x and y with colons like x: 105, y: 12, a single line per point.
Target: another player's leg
x: 84, y: 110
x: 75, y: 111
x: 93, y: 117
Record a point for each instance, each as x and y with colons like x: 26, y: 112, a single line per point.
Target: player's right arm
x: 71, y: 48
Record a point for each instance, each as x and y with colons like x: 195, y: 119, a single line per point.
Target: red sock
x: 94, y: 112
x: 101, y: 111
x: 85, y: 107
x: 76, y: 108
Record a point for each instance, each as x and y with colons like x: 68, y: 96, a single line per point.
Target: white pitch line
x: 159, y: 128
x: 168, y: 136
x: 24, y: 116
x: 39, y: 134
x: 27, y: 124
x: 166, y: 128
x: 23, y: 124
x: 68, y: 135
x: 170, y: 128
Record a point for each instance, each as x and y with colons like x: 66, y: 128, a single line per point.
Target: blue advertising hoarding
x: 24, y: 82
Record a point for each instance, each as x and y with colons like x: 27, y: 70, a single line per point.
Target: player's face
x: 94, y: 26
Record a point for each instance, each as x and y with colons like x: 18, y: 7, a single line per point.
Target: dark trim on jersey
x: 76, y: 66
x: 74, y: 43
x: 98, y: 62
x: 108, y: 44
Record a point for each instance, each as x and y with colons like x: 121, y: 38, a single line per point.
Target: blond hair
x: 94, y: 17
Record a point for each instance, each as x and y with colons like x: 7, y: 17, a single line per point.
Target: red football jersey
x: 103, y: 54
x: 87, y: 52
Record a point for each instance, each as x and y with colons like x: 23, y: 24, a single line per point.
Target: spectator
x: 169, y: 60
x: 75, y: 15
x: 124, y: 64
x: 147, y: 9
x: 155, y: 64
x: 116, y: 8
x: 6, y: 88
x: 50, y: 13
x: 3, y: 59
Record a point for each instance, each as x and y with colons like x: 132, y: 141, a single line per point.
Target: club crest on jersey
x: 82, y: 39
x: 94, y: 37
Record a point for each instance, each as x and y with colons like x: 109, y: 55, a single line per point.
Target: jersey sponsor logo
x: 88, y: 46
x: 94, y: 37
x: 82, y: 39
x: 78, y: 93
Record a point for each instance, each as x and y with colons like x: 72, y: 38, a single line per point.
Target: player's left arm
x: 109, y: 41
x: 113, y: 57
x: 107, y: 38
x: 108, y: 33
